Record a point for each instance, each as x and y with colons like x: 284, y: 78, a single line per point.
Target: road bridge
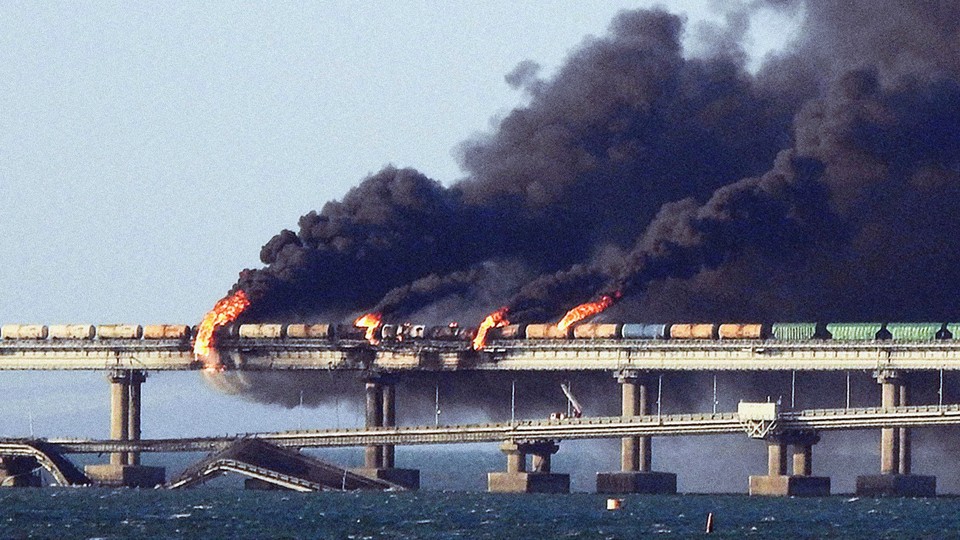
x: 599, y: 427
x: 779, y: 428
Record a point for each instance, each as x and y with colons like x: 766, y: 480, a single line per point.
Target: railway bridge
x: 634, y: 363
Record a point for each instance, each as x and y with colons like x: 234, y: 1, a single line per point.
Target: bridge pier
x: 777, y: 481
x: 636, y: 453
x: 124, y: 468
x: 895, y: 478
x: 137, y: 378
x: 516, y: 479
x: 119, y: 412
x: 19, y: 471
x: 373, y: 455
x: 381, y: 411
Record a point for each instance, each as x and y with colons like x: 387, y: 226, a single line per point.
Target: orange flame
x: 583, y: 311
x: 225, y: 311
x: 494, y: 320
x: 370, y: 321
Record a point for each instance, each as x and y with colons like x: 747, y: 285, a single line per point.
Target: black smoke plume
x: 626, y: 125
x: 822, y: 186
x: 853, y: 220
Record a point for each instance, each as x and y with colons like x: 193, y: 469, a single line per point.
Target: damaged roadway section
x: 268, y: 465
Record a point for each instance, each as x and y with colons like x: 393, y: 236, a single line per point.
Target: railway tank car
x: 597, y: 331
x: 645, y: 331
x: 547, y: 331
x: 166, y: 331
x: 743, y: 331
x: 510, y: 331
x: 24, y: 331
x: 694, y: 331
x: 451, y: 333
x: 119, y: 331
x: 310, y: 331
x: 262, y: 331
x: 73, y: 331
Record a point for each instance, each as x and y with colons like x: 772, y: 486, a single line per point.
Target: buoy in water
x: 614, y: 504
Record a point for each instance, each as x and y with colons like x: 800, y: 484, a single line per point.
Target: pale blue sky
x: 148, y: 150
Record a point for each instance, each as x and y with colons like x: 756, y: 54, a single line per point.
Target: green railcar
x: 794, y: 331
x: 914, y: 331
x: 854, y: 331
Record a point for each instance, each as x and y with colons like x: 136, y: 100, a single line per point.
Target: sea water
x: 232, y: 513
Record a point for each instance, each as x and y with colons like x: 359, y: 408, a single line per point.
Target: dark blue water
x: 230, y: 513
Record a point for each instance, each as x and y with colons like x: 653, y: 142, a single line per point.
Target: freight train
x: 391, y: 333
x: 720, y: 331
x: 89, y: 331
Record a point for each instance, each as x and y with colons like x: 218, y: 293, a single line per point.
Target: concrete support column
x: 516, y: 459
x: 776, y: 458
x: 541, y: 463
x: 905, y: 455
x: 802, y: 459
x: 635, y: 452
x: 381, y: 411
x: 137, y: 378
x: 124, y: 468
x: 644, y: 444
x: 119, y: 412
x: 389, y: 404
x: 540, y: 479
x: 373, y: 455
x: 889, y: 437
x: 629, y: 446
x: 896, y: 478
x: 635, y: 474
x: 801, y: 482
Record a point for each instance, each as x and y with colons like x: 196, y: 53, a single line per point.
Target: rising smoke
x: 626, y: 125
x: 822, y: 186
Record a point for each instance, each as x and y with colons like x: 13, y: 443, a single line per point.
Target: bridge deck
x: 520, y: 355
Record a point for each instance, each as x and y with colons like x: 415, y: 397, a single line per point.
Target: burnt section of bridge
x: 267, y: 466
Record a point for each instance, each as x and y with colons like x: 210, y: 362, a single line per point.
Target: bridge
x: 635, y: 363
x: 260, y: 455
x: 599, y: 427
